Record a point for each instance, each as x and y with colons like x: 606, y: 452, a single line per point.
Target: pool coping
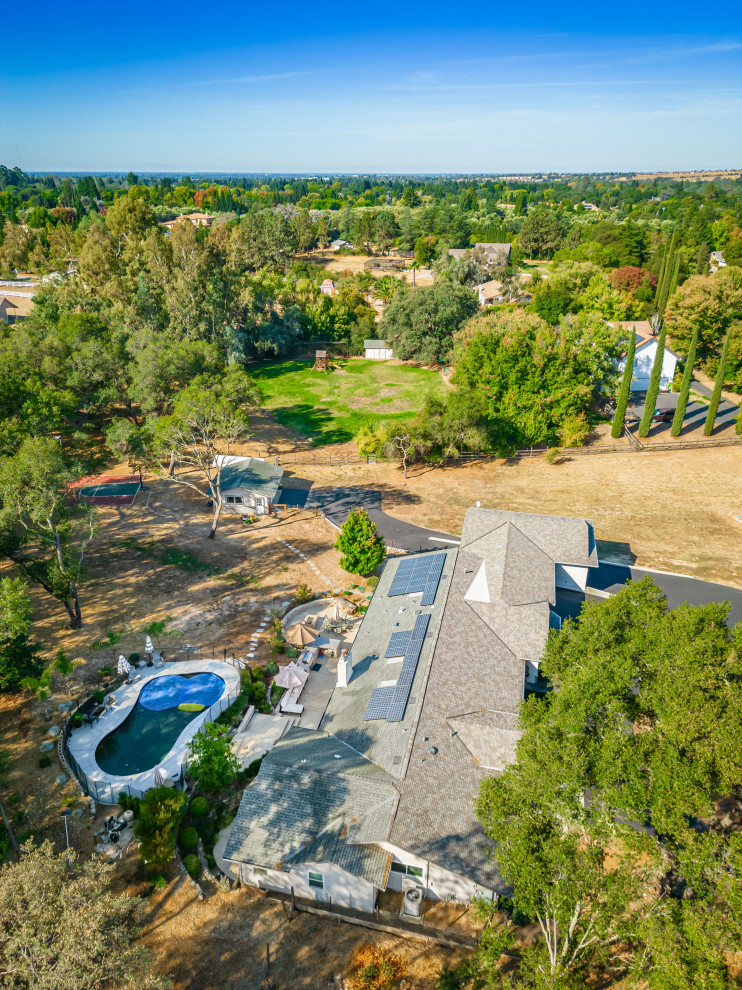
x: 84, y: 741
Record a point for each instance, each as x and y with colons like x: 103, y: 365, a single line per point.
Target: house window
x: 234, y: 500
x: 316, y: 880
x: 410, y: 871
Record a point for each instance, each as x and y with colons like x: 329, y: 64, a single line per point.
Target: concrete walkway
x: 229, y: 869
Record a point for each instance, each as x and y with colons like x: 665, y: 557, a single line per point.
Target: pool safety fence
x: 105, y: 792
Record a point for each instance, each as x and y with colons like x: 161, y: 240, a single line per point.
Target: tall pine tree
x: 654, y: 386
x: 623, y: 395
x: 679, y: 417
x: 360, y: 543
x: 708, y: 426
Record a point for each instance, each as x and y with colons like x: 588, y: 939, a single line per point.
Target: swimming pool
x: 155, y: 723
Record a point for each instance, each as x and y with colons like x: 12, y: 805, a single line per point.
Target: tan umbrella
x: 301, y: 635
x: 290, y: 676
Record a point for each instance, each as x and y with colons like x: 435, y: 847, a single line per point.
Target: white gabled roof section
x: 479, y: 590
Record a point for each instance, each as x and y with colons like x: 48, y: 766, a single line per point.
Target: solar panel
x: 378, y: 705
x: 401, y: 691
x: 398, y: 644
x: 419, y: 574
x: 434, y: 576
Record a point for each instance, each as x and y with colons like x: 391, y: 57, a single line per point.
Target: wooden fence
x: 633, y: 445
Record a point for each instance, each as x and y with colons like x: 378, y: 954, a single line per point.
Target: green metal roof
x: 254, y: 475
x: 374, y: 343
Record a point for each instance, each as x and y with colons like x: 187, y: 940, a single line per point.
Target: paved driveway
x: 695, y: 412
x: 336, y: 503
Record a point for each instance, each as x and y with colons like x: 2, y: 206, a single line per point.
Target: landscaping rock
x: 61, y: 779
x: 48, y: 746
x: 53, y: 731
x: 77, y: 813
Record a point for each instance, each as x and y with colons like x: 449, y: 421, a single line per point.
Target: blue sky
x: 389, y: 87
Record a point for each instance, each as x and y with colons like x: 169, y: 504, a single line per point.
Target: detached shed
x: 377, y: 350
x: 250, y: 484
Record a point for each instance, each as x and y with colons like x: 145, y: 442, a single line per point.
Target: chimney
x: 345, y: 668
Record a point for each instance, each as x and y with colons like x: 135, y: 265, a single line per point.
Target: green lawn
x: 330, y: 407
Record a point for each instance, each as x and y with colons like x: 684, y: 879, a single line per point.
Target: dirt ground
x: 220, y: 943
x: 672, y: 511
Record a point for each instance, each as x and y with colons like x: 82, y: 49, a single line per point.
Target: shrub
x: 278, y: 645
x: 258, y: 674
x: 98, y: 695
x: 738, y: 421
x: 103, y: 672
x: 45, y: 761
x: 206, y: 828
x: 272, y: 668
x: 276, y: 692
x: 133, y: 657
x: 259, y: 698
x: 303, y: 594
x: 372, y: 968
x: 193, y: 865
x: 211, y: 862
x: 77, y: 720
x: 199, y: 806
x: 225, y: 820
x: 372, y: 581
x: 127, y: 803
x: 189, y: 838
x: 552, y: 455
x: 159, y: 882
x: 574, y: 430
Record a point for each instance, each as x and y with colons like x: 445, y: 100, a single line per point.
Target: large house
x: 381, y: 796
x: 197, y: 219
x: 644, y: 355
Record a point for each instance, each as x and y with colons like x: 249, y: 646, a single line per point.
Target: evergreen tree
x: 159, y: 816
x: 708, y: 427
x: 623, y: 395
x: 360, y: 543
x: 677, y: 422
x: 654, y: 386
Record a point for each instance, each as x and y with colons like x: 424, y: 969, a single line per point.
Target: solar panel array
x: 417, y: 574
x: 407, y: 674
x: 378, y: 705
x: 391, y: 702
x: 398, y: 644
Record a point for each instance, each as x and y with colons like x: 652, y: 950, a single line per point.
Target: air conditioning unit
x: 412, y: 906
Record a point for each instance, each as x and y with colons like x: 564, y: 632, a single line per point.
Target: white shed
x: 377, y: 350
x: 249, y: 484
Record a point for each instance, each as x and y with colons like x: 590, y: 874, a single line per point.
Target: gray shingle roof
x: 381, y: 741
x: 307, y: 782
x: 254, y: 475
x: 374, y: 343
x: 369, y: 862
x: 566, y: 539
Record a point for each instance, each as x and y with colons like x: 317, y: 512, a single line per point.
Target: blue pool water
x: 149, y: 732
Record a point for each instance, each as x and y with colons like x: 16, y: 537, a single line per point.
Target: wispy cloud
x: 268, y: 77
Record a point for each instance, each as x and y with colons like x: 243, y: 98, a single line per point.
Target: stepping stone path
x: 314, y: 567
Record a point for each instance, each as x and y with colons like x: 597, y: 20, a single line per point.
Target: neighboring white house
x: 717, y: 261
x: 646, y: 349
x: 249, y: 484
x: 499, y: 253
x: 377, y: 350
x: 341, y: 244
x: 381, y: 795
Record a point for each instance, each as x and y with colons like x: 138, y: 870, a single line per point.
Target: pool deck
x: 83, y: 742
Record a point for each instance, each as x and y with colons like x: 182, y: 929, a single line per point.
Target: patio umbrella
x: 162, y: 777
x: 336, y: 612
x: 148, y: 647
x: 301, y: 635
x: 291, y: 676
x: 123, y: 667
